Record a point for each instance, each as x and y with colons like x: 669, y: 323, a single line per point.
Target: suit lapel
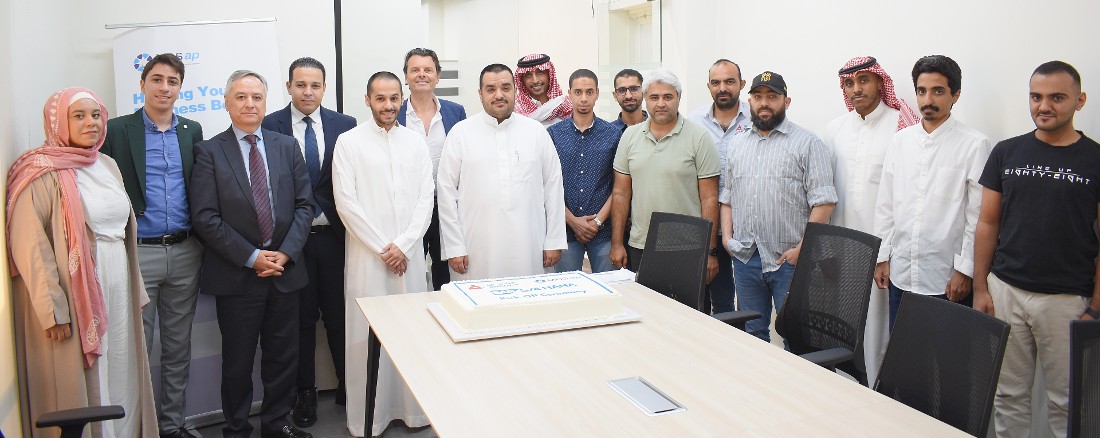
x: 231, y: 149
x: 184, y: 135
x: 135, y: 136
x: 329, y: 123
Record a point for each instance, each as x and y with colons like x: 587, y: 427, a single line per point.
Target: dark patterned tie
x: 257, y: 175
x: 313, y: 162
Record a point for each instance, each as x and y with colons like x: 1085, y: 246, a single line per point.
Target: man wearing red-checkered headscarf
x: 859, y: 140
x: 538, y: 94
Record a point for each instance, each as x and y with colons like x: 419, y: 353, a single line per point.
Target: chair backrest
x: 944, y: 359
x: 675, y: 259
x: 1084, y: 379
x: 826, y: 306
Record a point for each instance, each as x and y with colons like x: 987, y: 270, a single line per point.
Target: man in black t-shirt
x: 1036, y: 247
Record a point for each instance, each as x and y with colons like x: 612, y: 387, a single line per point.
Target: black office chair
x: 674, y: 263
x: 944, y: 359
x: 1084, y: 379
x: 826, y: 309
x: 72, y: 421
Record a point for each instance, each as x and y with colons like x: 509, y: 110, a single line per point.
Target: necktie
x: 257, y: 175
x: 313, y: 162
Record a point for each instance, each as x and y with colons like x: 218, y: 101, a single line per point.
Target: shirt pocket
x: 874, y: 174
x: 948, y: 184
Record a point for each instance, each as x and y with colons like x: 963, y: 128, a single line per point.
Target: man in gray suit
x: 252, y: 205
x: 154, y: 151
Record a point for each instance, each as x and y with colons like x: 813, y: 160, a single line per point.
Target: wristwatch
x: 714, y: 252
x: 1095, y: 314
x: 599, y: 224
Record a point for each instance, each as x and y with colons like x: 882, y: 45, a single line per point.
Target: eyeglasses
x: 632, y: 89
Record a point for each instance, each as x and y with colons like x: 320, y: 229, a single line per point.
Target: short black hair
x: 627, y: 73
x: 421, y: 52
x: 583, y: 73
x: 305, y: 62
x: 1051, y: 67
x: 721, y: 61
x: 942, y: 65
x: 169, y: 59
x: 382, y: 75
x: 492, y: 68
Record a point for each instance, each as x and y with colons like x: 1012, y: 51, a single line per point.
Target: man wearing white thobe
x: 382, y: 185
x: 501, y: 197
x: 858, y: 140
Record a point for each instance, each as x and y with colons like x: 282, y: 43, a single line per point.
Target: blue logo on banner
x: 141, y: 60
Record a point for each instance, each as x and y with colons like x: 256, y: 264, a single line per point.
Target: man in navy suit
x: 433, y: 118
x: 323, y: 297
x: 251, y: 203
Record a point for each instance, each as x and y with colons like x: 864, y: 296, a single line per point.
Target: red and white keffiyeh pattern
x: 907, y: 117
x: 525, y: 104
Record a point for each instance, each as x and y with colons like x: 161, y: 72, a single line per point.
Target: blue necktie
x: 313, y: 162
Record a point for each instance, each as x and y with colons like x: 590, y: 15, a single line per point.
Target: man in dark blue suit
x: 307, y: 121
x: 433, y: 118
x: 251, y: 203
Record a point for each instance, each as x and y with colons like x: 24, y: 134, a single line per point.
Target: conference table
x: 555, y: 384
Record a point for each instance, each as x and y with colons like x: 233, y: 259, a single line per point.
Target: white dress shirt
x: 859, y: 146
x: 928, y: 204
x: 435, y: 135
x: 299, y: 127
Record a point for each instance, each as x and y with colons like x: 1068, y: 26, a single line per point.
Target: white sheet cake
x: 517, y: 302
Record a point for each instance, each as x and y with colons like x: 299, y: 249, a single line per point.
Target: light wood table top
x: 554, y: 384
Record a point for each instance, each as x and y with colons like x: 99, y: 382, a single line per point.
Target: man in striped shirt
x: 779, y: 177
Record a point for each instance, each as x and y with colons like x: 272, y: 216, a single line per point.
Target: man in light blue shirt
x: 154, y: 151
x: 723, y: 119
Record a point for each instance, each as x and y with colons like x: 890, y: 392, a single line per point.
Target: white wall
x: 9, y: 390
x: 475, y: 33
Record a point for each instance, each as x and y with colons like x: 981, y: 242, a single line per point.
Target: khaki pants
x: 1039, y: 325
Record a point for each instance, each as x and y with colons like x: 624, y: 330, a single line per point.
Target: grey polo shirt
x: 665, y: 174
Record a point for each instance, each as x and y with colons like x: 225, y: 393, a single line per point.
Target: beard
x: 770, y: 124
x: 732, y: 102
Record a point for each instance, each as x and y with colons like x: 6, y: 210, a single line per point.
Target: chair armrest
x: 79, y: 416
x: 737, y: 318
x: 829, y: 358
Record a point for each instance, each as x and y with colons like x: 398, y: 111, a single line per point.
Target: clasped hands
x: 584, y: 227
x: 394, y: 259
x: 270, y: 263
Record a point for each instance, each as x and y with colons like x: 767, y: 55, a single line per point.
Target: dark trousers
x: 322, y: 299
x: 633, y: 257
x: 271, y: 319
x: 441, y: 273
x: 721, y: 288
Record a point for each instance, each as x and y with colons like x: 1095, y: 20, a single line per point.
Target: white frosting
x: 515, y: 302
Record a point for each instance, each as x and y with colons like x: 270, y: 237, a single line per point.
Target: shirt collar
x: 875, y: 115
x: 742, y: 110
x: 645, y: 116
x: 240, y: 133
x: 411, y: 113
x: 492, y: 121
x: 942, y: 131
x: 152, y: 127
x: 675, y: 129
x: 297, y: 116
x: 784, y: 127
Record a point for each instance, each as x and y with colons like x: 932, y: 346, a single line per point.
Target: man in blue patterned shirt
x: 586, y: 146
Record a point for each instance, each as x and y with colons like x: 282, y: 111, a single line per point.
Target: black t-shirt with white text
x: 1049, y: 199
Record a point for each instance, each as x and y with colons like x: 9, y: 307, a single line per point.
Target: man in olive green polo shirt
x: 663, y: 164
